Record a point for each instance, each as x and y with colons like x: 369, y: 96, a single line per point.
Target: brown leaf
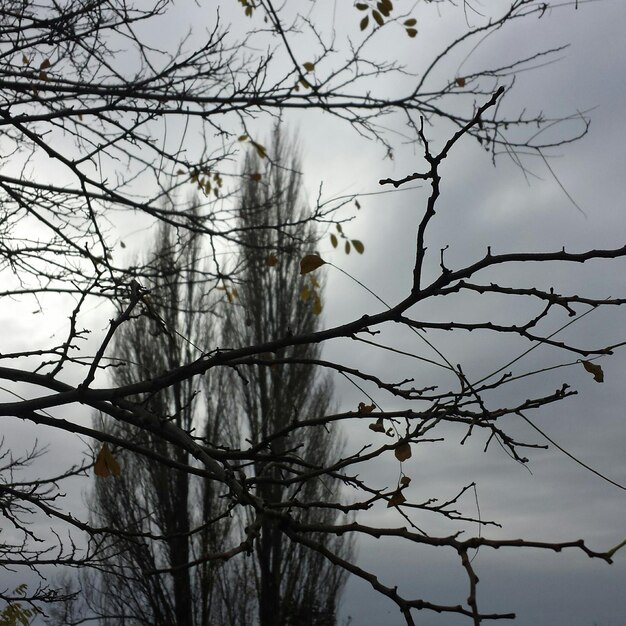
x: 411, y: 32
x: 256, y: 177
x: 377, y: 426
x: 405, y: 481
x: 310, y: 263
x: 403, y: 452
x: 45, y: 64
x: 271, y: 260
x: 309, y: 67
x: 596, y: 370
x: 396, y: 499
x: 106, y: 465
x: 460, y: 82
x: 366, y: 409
x: 364, y: 22
x: 333, y: 240
x: 358, y: 246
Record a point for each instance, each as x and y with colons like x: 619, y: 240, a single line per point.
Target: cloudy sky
x: 482, y: 205
x: 556, y: 500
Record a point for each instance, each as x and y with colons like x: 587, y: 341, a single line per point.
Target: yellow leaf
x: 271, y: 260
x: 310, y: 263
x: 106, y: 465
x: 317, y: 305
x: 366, y: 409
x: 305, y: 293
x: 460, y: 82
x: 613, y: 550
x: 396, y: 499
x: 309, y: 67
x: 358, y: 246
x: 596, y: 370
x: 260, y: 150
x: 403, y: 452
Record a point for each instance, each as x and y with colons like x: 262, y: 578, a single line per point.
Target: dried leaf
x: 405, y: 481
x: 256, y: 177
x: 305, y: 293
x: 106, y: 465
x: 45, y: 64
x: 25, y: 60
x: 333, y: 240
x: 242, y: 137
x: 310, y: 263
x: 122, y: 244
x: 357, y: 205
x: 271, y: 260
x: 396, y: 499
x: 410, y: 22
x: 385, y: 7
x: 364, y: 22
x: 361, y: 7
x: 377, y: 426
x: 358, y: 246
x: 403, y: 452
x: 411, y: 32
x: 596, y: 370
x: 460, y: 82
x: 378, y: 18
x: 309, y: 67
x: 366, y: 409
x: 348, y: 247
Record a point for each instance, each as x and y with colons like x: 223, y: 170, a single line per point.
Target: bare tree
x: 294, y: 586
x: 83, y: 142
x: 160, y: 518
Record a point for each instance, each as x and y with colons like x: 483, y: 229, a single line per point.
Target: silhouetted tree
x: 295, y: 587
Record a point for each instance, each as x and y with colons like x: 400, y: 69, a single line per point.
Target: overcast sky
x: 482, y: 205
